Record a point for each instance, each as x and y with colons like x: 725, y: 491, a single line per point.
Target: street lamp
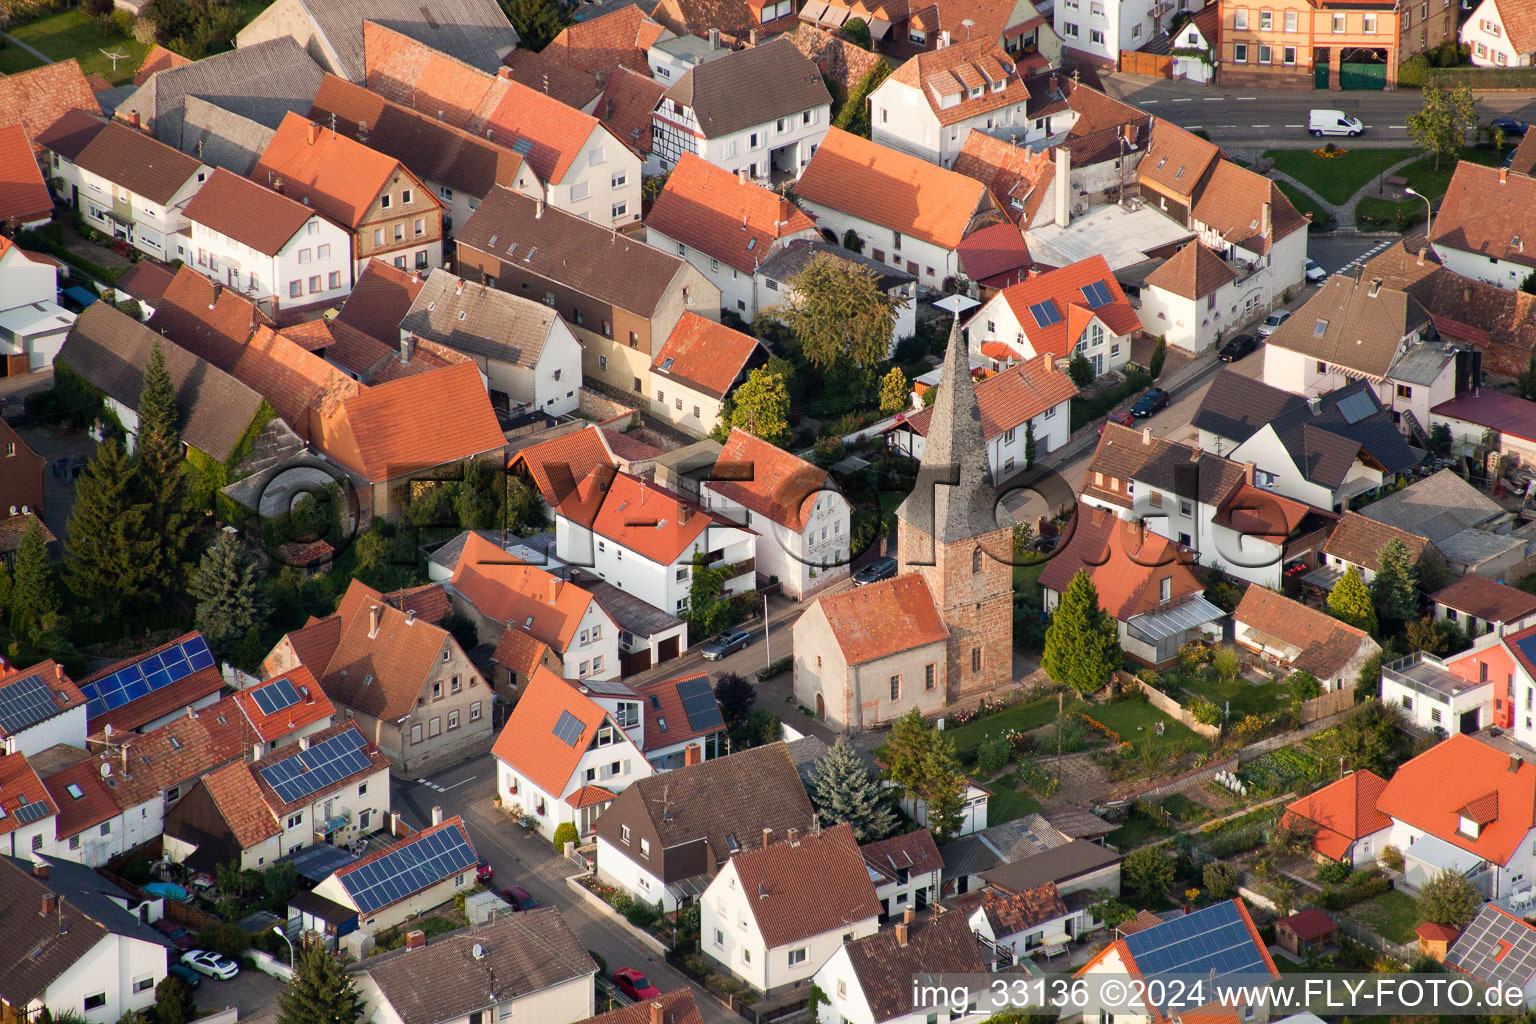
x: 277, y: 929
x: 1429, y: 211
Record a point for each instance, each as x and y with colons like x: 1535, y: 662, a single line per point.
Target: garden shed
x: 1304, y: 931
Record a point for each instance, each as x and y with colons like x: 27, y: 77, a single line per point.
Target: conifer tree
x: 1350, y: 601
x: 1394, y: 589
x: 228, y: 594
x: 158, y: 462
x: 34, y: 599
x: 1082, y: 643
x: 921, y: 760
x: 320, y: 992
x: 843, y: 790
x: 113, y: 561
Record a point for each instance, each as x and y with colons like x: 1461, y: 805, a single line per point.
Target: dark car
x: 1238, y: 347
x: 1045, y: 545
x: 1123, y: 417
x: 874, y: 572
x: 1150, y: 401
x: 1510, y: 127
x: 634, y: 984
x: 518, y: 898
x: 727, y: 643
x: 175, y: 934
x: 184, y: 974
x: 484, y: 872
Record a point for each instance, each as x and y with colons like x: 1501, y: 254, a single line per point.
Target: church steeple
x: 953, y: 499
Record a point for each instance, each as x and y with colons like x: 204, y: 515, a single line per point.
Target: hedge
x: 1481, y: 78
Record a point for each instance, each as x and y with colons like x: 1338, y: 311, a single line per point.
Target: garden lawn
x: 1371, y: 212
x: 1023, y: 717
x: 14, y: 59
x: 1339, y: 178
x: 73, y: 33
x: 1026, y: 580
x: 1245, y: 697
x: 1393, y: 915
x: 1134, y: 720
x: 1139, y: 829
x: 1427, y: 180
x: 1322, y: 220
x: 1007, y: 803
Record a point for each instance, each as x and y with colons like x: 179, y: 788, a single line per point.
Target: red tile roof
x: 1176, y: 160
x: 712, y: 210
x: 247, y: 212
x: 813, y: 885
x: 36, y: 99
x: 767, y: 479
x: 300, y: 387
x: 1343, y: 811
x: 666, y: 723
x: 383, y: 674
x: 528, y: 743
x: 1429, y: 792
x: 704, y: 355
x: 239, y: 800
x: 590, y: 796
x: 380, y: 434
x: 337, y: 176
x: 1126, y: 561
x: 20, y: 785
x: 146, y: 282
x: 856, y: 177
x: 996, y: 256
x: 379, y: 301
x: 23, y: 195
x: 158, y: 59
x: 428, y: 602
x: 1519, y: 21
x: 542, y: 72
x: 313, y: 706
x: 327, y: 784
x: 205, y: 318
x: 884, y: 618
x: 1310, y: 925
x: 1064, y: 290
x: 558, y: 465
x: 950, y: 73
x: 519, y: 652
x: 1010, y: 398
x: 1255, y: 512
x: 642, y: 517
x: 1487, y: 599
x: 523, y: 596
x: 1192, y: 273
x: 157, y: 703
x: 610, y: 41
x: 1232, y: 203
x: 1488, y: 211
x: 626, y: 106
x: 95, y: 804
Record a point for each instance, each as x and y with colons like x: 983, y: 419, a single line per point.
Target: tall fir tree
x: 34, y: 598
x: 843, y: 790
x: 320, y: 992
x: 1394, y: 589
x: 228, y: 594
x: 114, y: 562
x: 1082, y: 643
x: 158, y: 462
x: 1350, y: 601
x: 921, y: 760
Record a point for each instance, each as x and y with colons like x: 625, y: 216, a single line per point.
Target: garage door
x: 1320, y: 69
x: 1363, y: 76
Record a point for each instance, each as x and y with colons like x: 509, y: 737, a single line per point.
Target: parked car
x: 518, y: 898
x: 483, y: 872
x: 1150, y: 401
x: 1123, y: 417
x: 1272, y: 322
x: 1333, y: 122
x: 1511, y: 127
x: 727, y: 643
x: 178, y: 936
x: 212, y: 964
x: 1045, y: 545
x: 874, y: 572
x: 186, y: 975
x: 1315, y: 273
x: 634, y: 984
x: 1238, y: 347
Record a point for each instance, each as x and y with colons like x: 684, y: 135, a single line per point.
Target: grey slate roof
x: 471, y: 30
x: 480, y: 321
x: 111, y: 350
x: 221, y: 137
x: 790, y: 259
x: 750, y: 87
x: 968, y: 855
x: 1078, y: 823
x: 938, y: 508
x: 629, y: 612
x: 447, y: 556
x: 1473, y: 547
x: 98, y: 898
x: 1058, y: 864
x: 1324, y: 444
x: 1236, y: 406
x: 261, y: 83
x: 1436, y: 507
x: 444, y: 980
x: 1423, y: 363
x: 1023, y: 837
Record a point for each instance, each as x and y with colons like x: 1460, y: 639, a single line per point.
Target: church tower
x: 948, y: 530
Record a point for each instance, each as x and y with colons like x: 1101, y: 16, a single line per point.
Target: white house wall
x: 67, y: 729
x: 112, y: 967
x: 802, y: 561
x: 933, y: 262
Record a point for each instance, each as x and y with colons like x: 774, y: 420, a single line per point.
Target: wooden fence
x: 1170, y: 707
x: 1151, y: 64
x: 1327, y: 704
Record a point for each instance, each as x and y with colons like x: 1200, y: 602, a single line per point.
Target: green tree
x: 1225, y: 663
x: 854, y: 115
x: 921, y: 761
x: 735, y: 695
x: 1148, y: 872
x: 760, y: 406
x: 1082, y: 643
x: 839, y: 314
x: 709, y: 610
x: 1350, y: 602
x: 1303, y: 684
x: 895, y: 392
x: 1080, y: 369
x: 1029, y: 444
x: 228, y: 592
x: 565, y: 833
x: 1394, y: 589
x: 1367, y: 739
x: 1529, y: 284
x: 537, y: 21
x: 857, y: 32
x: 1368, y: 682
x: 1440, y: 439
x: 852, y: 242
x: 1441, y: 126
x: 34, y: 598
x: 480, y: 500
x: 525, y: 507
x: 280, y: 881
x: 1159, y: 356
x: 321, y: 992
x: 1434, y: 636
x: 843, y: 790
x: 158, y: 463
x: 174, y: 1003
x: 1449, y: 898
x: 1220, y: 880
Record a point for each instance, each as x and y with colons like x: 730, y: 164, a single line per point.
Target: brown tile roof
x: 94, y: 805
x: 1327, y: 644
x: 138, y: 162
x: 804, y: 888
x: 1358, y: 539
x: 428, y: 356
x: 1063, y: 288
x: 23, y: 195
x: 519, y: 652
x: 1345, y: 325
x: 42, y: 948
x: 1233, y: 204
x: 207, y: 319
x: 1255, y: 512
x: 705, y: 355
x: 749, y: 87
x: 300, y: 386
x: 856, y: 177
x: 335, y: 175
x: 545, y: 73
x: 1192, y: 273
x: 523, y: 596
x: 324, y: 782
x: 1519, y: 20
x: 839, y: 61
x: 1102, y: 122
x: 178, y: 752
x: 946, y: 76
x: 767, y: 479
x: 632, y: 275
x: 1126, y: 561
x: 71, y: 133
x: 434, y: 150
x: 313, y: 706
x: 356, y: 352
x: 528, y: 744
x: 558, y: 465
x: 913, y: 851
x: 736, y: 19
x: 1489, y: 211
x: 608, y: 42
x: 239, y: 800
x: 1523, y: 161
x: 247, y: 212
x: 20, y: 785
x: 883, y: 618
x: 1012, y: 397
x: 1012, y: 912
x: 146, y: 281
x: 626, y: 105
x: 1018, y: 177
x: 380, y: 675
x: 36, y: 99
x: 65, y: 694
x: 1176, y: 160
x: 1487, y: 599
x: 477, y: 319
x: 659, y: 524
x: 629, y: 449
x: 314, y: 644
x: 378, y: 431
x: 14, y: 528
x: 995, y: 256
x: 158, y: 59
x: 734, y: 221
x: 429, y: 602
x: 379, y: 301
x: 884, y: 967
x: 676, y: 1008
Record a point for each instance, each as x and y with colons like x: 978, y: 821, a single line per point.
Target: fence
x: 1170, y: 707
x: 1137, y: 63
x: 266, y: 963
x: 1189, y: 780
x: 191, y: 917
x: 1250, y: 887
x: 1326, y: 704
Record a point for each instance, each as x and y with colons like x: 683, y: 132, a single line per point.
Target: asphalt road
x: 1255, y: 119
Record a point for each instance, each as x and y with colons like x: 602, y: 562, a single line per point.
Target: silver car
x: 1272, y: 322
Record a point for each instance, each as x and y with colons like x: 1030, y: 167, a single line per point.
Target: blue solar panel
x: 31, y: 812
x: 1213, y: 940
x: 324, y: 764
x: 275, y: 696
x: 409, y: 868
x: 699, y: 705
x: 1045, y: 313
x: 1097, y: 294
x: 26, y: 702
x: 146, y: 675
x: 568, y: 728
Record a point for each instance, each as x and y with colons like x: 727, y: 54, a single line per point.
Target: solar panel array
x: 275, y: 696
x: 410, y: 868
x: 1496, y: 949
x: 146, y: 675
x: 1527, y: 647
x: 1356, y: 407
x: 1213, y: 939
x: 26, y: 702
x: 1097, y: 294
x: 699, y: 705
x: 323, y: 764
x: 31, y: 812
x: 568, y: 729
x: 1045, y: 313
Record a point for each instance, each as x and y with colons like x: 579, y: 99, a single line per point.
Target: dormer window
x: 1467, y: 827
x: 975, y: 92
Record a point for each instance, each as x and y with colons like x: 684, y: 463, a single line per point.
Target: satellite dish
x: 478, y: 952
x: 26, y: 510
x: 13, y: 510
x: 106, y: 769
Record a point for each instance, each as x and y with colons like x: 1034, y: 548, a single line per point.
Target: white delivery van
x: 1333, y: 122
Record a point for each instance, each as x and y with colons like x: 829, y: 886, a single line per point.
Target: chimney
x: 751, y: 37
x: 599, y: 78
x: 303, y: 742
x: 1422, y: 250
x: 40, y: 870
x: 410, y: 616
x: 1146, y: 435
x: 554, y: 589
x: 218, y: 291
x: 314, y: 133
x: 741, y: 176
x: 50, y: 903
x: 1516, y: 762
x: 538, y: 208
x: 437, y: 814
x: 1466, y: 293
x: 794, y: 836
x: 133, y: 118
x: 458, y: 289
x: 407, y: 348
x: 309, y: 698
x: 1503, y: 175
x: 943, y: 42
x: 909, y: 915
x: 375, y: 613
x: 125, y: 758
x: 901, y: 934
x: 1266, y: 219
x: 714, y: 39
x: 415, y: 938
x: 657, y: 1015
x: 693, y: 754
x: 1063, y: 186
x: 767, y: 837
x: 1315, y: 403
x: 1248, y: 473
x: 504, y: 73
x: 256, y: 751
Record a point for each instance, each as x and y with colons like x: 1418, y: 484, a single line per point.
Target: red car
x: 518, y: 898
x: 175, y: 934
x: 483, y: 872
x: 634, y: 984
x: 1123, y: 417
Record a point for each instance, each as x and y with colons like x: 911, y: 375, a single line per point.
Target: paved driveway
x: 252, y: 992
